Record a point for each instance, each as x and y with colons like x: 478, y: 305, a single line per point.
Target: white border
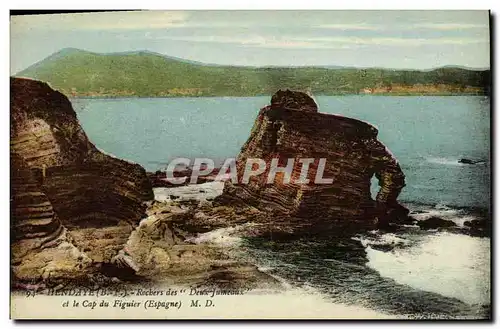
x: 200, y: 4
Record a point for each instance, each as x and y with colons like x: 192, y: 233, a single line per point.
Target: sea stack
x: 71, y: 205
x: 292, y: 128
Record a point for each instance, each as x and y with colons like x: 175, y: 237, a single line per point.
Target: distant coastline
x: 79, y: 73
x: 395, y: 94
x: 417, y: 90
x: 234, y: 96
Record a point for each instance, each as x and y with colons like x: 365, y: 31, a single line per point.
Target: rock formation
x: 159, y: 178
x: 78, y: 214
x: 40, y: 246
x: 158, y: 250
x: 65, y: 193
x: 435, y: 222
x: 292, y: 128
x: 470, y: 161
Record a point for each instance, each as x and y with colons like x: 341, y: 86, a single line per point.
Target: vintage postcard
x: 250, y: 165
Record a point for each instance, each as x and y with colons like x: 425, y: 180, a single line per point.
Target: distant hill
x: 77, y: 72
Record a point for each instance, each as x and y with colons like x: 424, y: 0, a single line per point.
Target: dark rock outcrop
x: 434, y: 223
x: 470, y: 161
x: 159, y: 178
x: 292, y: 129
x: 479, y: 227
x: 63, y: 187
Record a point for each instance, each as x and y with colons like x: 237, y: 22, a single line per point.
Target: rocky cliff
x: 352, y: 156
x: 40, y: 246
x: 71, y: 205
x: 78, y: 214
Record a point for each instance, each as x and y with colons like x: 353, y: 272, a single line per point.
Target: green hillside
x: 81, y: 73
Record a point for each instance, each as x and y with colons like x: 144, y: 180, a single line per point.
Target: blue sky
x: 390, y: 39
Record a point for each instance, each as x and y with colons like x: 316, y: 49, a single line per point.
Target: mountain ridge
x: 142, y: 73
x: 146, y: 51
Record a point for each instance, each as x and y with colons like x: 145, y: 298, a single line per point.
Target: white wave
x: 449, y: 161
x: 451, y: 265
x: 443, y: 213
x: 445, y: 161
x: 382, y: 240
x: 460, y: 220
x: 458, y: 216
x: 197, y: 192
x: 442, y: 206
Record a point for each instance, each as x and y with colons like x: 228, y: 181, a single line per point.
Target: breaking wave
x: 449, y: 272
x: 452, y: 265
x: 445, y: 161
x: 458, y: 215
x: 449, y: 161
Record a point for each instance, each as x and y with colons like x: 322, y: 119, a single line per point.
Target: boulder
x: 159, y: 178
x: 434, y: 223
x: 479, y: 227
x: 469, y: 161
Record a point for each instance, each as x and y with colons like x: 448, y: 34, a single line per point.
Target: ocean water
x: 428, y: 135
x: 412, y: 273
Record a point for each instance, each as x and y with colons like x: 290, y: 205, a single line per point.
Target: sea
x: 412, y: 273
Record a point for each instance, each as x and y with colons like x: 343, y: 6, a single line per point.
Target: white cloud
x: 99, y: 21
x: 324, y: 42
x: 406, y: 42
x: 346, y: 27
x: 264, y: 41
x: 450, y: 26
x: 405, y: 27
x: 140, y: 20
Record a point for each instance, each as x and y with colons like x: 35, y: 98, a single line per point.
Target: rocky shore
x: 80, y: 216
x: 72, y: 207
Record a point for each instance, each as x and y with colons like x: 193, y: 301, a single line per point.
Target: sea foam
x: 452, y: 265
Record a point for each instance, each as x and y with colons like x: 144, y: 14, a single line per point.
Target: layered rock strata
x: 291, y: 128
x: 64, y: 190
x: 78, y: 214
x: 40, y: 246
